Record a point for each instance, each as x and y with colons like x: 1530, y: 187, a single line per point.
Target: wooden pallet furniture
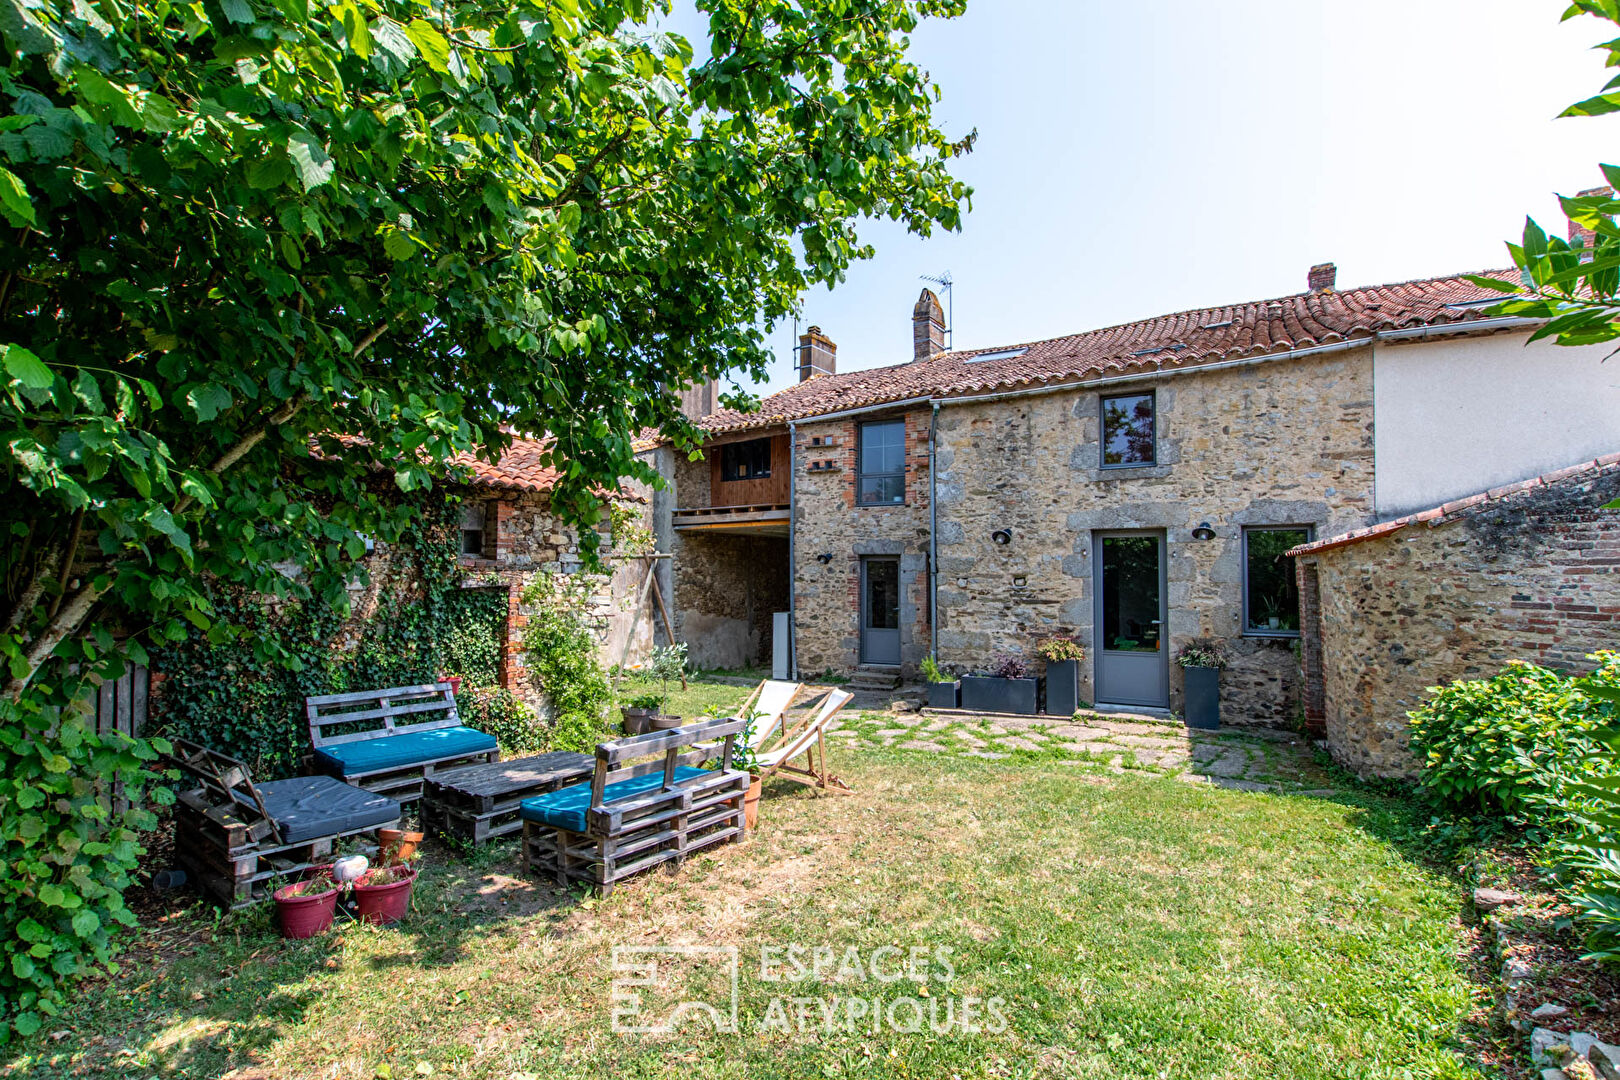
x: 645, y: 804
x: 359, y: 737
x: 477, y: 803
x: 237, y: 838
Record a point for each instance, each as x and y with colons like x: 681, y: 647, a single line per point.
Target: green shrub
x: 561, y: 651
x: 1495, y: 744
x: 497, y: 711
x: 71, y: 815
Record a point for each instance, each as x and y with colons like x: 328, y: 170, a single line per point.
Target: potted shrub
x: 383, y: 894
x: 305, y: 908
x: 944, y: 692
x: 665, y: 664
x: 1006, y: 687
x: 1201, y: 663
x: 745, y: 758
x: 638, y: 712
x: 1062, y: 655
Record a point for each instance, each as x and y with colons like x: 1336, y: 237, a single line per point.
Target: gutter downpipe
x: 933, y: 537
x: 793, y: 569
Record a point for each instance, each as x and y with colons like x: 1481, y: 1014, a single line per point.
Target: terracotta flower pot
x: 302, y: 913
x: 667, y: 723
x: 386, y: 901
x: 454, y: 681
x: 636, y: 720
x: 751, y: 803
x: 396, y: 845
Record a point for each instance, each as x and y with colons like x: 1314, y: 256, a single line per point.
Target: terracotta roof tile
x: 1450, y: 511
x: 519, y: 468
x: 1168, y: 343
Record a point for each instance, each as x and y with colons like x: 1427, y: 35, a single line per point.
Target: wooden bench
x: 476, y: 803
x: 370, y: 746
x: 646, y: 804
x: 235, y: 837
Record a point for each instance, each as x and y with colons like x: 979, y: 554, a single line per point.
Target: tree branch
x: 72, y: 552
x: 56, y: 631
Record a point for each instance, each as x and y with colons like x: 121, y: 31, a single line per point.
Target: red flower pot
x: 306, y: 914
x: 455, y: 683
x: 386, y: 901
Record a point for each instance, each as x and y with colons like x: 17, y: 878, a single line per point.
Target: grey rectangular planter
x: 944, y: 695
x: 986, y: 693
x: 1062, y: 687
x: 1203, y: 686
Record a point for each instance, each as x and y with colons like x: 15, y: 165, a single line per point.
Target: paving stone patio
x: 1239, y: 758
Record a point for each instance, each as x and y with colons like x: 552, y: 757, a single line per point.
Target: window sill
x: 1274, y: 635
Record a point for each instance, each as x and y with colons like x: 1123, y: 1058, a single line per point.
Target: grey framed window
x: 881, y: 458
x: 1270, y: 589
x: 749, y: 460
x: 472, y: 528
x: 1128, y: 431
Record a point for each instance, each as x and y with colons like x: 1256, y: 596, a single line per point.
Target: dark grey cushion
x: 310, y: 807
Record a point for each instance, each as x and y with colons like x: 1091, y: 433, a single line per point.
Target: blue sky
x: 1137, y: 159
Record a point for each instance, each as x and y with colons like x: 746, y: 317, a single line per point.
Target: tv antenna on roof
x: 943, y: 281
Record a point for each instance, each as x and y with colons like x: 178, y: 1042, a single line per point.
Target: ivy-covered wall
x: 412, y: 623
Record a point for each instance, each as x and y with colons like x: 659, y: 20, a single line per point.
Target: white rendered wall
x: 1464, y: 415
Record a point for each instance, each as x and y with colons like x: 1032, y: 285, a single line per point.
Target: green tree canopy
x: 241, y: 228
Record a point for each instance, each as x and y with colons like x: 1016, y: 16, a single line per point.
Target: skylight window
x: 1002, y: 354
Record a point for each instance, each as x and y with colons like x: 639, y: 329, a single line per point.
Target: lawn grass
x: 1133, y: 926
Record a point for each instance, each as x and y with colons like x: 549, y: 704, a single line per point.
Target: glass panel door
x: 1132, y: 664
x: 880, y: 611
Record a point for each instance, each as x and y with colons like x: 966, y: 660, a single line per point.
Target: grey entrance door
x: 880, y: 611
x: 1132, y: 661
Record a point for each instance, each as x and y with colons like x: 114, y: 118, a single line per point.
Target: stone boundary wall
x: 1527, y: 572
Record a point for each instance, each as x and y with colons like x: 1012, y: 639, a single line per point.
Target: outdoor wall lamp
x: 825, y: 558
x: 1203, y: 532
x: 1002, y: 537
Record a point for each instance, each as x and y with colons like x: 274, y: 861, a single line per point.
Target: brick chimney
x: 1321, y: 277
x: 1581, y: 232
x: 817, y: 354
x: 927, y: 326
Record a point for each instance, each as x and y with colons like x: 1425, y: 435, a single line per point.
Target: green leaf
x: 26, y: 1023
x: 86, y: 922
x: 86, y: 390
x: 431, y: 44
x: 310, y: 158
x: 270, y: 171
x: 354, y: 26
x: 392, y: 40
x: 94, y: 88
x: 238, y: 11
x: 14, y: 199
x: 27, y: 368
x: 208, y: 400
x: 399, y: 245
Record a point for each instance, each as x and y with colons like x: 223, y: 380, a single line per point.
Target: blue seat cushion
x: 310, y: 807
x: 397, y: 751
x: 565, y: 808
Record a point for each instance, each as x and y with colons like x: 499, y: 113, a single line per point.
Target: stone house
x: 1526, y: 571
x: 1137, y: 486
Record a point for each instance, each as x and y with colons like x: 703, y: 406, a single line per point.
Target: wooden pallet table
x: 476, y: 803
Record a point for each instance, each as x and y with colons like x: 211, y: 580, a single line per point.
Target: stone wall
x: 523, y: 537
x: 1528, y: 572
x: 1286, y: 443
x: 830, y: 523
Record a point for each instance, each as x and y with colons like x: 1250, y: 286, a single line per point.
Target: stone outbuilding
x: 1528, y: 571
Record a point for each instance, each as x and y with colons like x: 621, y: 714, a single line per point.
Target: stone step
x: 876, y: 678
